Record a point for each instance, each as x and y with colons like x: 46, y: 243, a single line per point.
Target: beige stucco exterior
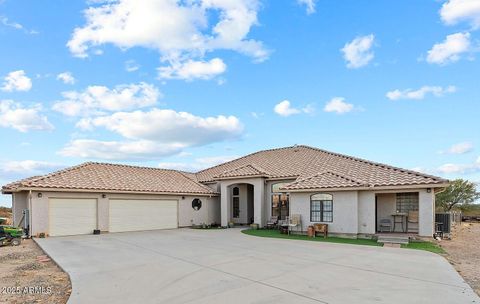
x: 355, y: 213
x: 39, y: 208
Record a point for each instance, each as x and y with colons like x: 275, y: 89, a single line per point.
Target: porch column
x: 426, y: 213
x: 258, y: 203
x: 224, y: 204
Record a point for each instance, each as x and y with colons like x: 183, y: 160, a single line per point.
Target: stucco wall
x: 19, y: 203
x: 206, y: 215
x: 209, y: 213
x: 426, y: 213
x: 345, y: 211
x: 366, y: 212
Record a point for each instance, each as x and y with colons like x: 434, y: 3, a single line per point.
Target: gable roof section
x: 301, y: 162
x: 243, y: 171
x: 324, y: 180
x: 116, y: 178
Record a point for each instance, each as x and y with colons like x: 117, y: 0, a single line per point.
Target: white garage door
x: 70, y: 216
x: 135, y: 215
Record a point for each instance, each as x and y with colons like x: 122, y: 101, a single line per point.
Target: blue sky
x: 188, y: 84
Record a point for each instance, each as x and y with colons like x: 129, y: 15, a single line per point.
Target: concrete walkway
x: 226, y: 266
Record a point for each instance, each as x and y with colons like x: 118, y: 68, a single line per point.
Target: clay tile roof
x: 113, y: 177
x: 324, y: 180
x: 301, y: 162
x: 243, y: 171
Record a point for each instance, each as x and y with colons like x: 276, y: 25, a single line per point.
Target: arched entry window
x: 280, y: 201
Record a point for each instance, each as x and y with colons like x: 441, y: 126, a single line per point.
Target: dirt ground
x: 464, y: 252
x: 25, y: 279
x: 7, y: 213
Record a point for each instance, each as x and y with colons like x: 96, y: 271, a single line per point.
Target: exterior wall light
x: 39, y: 195
x: 104, y: 195
x: 429, y: 190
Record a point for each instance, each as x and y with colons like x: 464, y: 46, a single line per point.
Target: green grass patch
x: 278, y: 235
x: 424, y: 245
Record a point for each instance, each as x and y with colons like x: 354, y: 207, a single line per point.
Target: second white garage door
x: 136, y: 215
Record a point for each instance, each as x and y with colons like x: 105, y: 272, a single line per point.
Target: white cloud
x: 449, y: 50
x: 15, y: 25
x: 28, y: 167
x: 455, y: 11
x: 94, y: 100
x: 436, y: 91
x: 338, y: 105
x: 358, y: 53
x: 16, y: 81
x: 197, y: 164
x: 152, y: 134
x: 460, y: 148
x: 178, y: 30
x: 256, y: 115
x: 460, y: 168
x: 309, y: 4
x: 66, y: 77
x: 13, y: 115
x: 285, y: 109
x: 191, y: 69
x: 18, y: 169
x: 132, y: 149
x: 131, y: 66
x: 168, y: 126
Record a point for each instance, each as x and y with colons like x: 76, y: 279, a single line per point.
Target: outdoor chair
x: 385, y: 224
x: 273, y: 222
x: 412, y: 219
x: 294, y: 222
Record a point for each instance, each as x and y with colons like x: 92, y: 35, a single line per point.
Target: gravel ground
x: 464, y: 252
x: 24, y: 279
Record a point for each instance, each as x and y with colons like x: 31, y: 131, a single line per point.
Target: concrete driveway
x: 226, y: 266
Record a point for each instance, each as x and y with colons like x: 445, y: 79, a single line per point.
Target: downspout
x: 30, y: 213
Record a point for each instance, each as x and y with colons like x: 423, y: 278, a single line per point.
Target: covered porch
x: 406, y: 214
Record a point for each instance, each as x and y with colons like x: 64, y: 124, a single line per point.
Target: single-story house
x: 352, y: 195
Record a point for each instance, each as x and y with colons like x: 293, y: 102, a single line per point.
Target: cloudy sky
x: 189, y: 84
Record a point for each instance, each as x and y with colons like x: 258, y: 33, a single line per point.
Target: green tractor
x: 10, y: 235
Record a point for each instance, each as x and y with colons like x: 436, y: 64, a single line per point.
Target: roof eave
x: 19, y: 189
x: 240, y: 177
x: 375, y: 188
